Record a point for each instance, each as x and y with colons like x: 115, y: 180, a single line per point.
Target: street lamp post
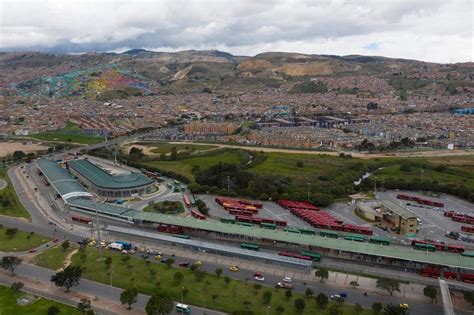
x: 182, y: 299
x: 309, y: 185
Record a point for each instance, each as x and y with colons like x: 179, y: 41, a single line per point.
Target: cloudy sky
x: 430, y: 30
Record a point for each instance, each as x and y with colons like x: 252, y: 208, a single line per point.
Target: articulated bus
x: 313, y: 255
x: 427, y: 247
x: 468, y: 254
x: 249, y: 246
x: 83, y: 220
x: 378, y: 240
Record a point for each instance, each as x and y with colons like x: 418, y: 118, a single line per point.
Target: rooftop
x: 64, y: 184
x: 401, y: 211
x: 103, y: 207
x: 102, y: 179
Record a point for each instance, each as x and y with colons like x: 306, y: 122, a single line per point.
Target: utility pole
x: 98, y: 234
x: 228, y: 184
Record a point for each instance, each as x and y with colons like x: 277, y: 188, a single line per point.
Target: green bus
x: 307, y: 232
x: 468, y: 254
x: 245, y: 223
x: 292, y: 230
x: 183, y: 308
x: 249, y: 246
x: 270, y: 226
x: 328, y: 234
x: 228, y: 220
x: 427, y: 247
x: 313, y: 255
x: 355, y: 238
x: 379, y: 240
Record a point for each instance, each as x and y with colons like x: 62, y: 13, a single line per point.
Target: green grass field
x: 166, y: 148
x: 20, y: 242
x: 184, y: 166
x: 60, y: 136
x: 39, y: 307
x: 53, y: 258
x: 228, y: 297
x: 10, y: 205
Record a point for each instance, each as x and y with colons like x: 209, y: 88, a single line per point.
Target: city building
x: 100, y: 182
x: 399, y: 218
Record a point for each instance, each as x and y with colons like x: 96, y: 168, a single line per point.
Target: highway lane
x: 100, y: 290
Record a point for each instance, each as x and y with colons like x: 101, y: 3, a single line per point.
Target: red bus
x: 198, y: 215
x: 455, y: 248
x: 80, y: 219
x: 294, y: 255
x: 187, y: 202
x: 468, y: 229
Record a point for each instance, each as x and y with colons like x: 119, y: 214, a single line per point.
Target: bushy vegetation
x: 309, y: 87
x: 166, y: 207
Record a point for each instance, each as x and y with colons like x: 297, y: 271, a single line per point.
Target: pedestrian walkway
x: 101, y: 305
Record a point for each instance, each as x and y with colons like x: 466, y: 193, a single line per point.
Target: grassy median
x: 20, y: 241
x: 10, y: 205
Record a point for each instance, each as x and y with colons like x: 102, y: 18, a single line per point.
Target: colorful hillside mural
x: 91, y: 83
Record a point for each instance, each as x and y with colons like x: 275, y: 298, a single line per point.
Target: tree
x: 288, y: 294
x: 280, y: 309
x: 11, y: 232
x: 10, y: 263
x: 469, y: 296
x: 358, y: 308
x: 391, y: 309
x: 129, y: 297
x: 309, y: 292
x: 389, y: 285
x: 300, y: 304
x: 159, y: 304
x: 178, y: 277
x: 226, y: 280
x: 431, y: 292
x: 335, y: 309
x: 322, y: 300
x: 322, y: 274
x: 377, y: 307
x: 53, y: 310
x: 174, y: 154
x: 108, y: 261
x: 267, y: 297
x: 17, y: 286
x: 219, y: 272
x: 67, y: 278
x: 65, y: 245
x: 405, y: 167
x: 257, y: 287
x: 299, y: 164
x: 169, y: 262
x: 354, y: 284
x: 19, y: 155
x: 84, y: 306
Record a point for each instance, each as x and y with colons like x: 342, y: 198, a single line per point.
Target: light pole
x: 268, y: 309
x: 182, y: 299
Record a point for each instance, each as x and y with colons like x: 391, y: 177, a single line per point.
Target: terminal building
x: 395, y: 217
x: 103, y: 184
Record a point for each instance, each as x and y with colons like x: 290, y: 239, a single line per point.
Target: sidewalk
x: 102, y: 306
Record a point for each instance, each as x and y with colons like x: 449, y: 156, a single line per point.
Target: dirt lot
x: 8, y: 147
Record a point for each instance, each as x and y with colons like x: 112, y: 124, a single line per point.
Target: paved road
x: 96, y: 289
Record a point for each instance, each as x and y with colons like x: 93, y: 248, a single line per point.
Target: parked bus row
x: 436, y: 273
x: 432, y: 246
x: 237, y: 204
x: 459, y: 217
x: 263, y: 222
x: 421, y: 201
x: 468, y: 229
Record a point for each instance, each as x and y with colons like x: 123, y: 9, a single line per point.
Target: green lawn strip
x: 21, y: 241
x: 159, y: 148
x: 211, y: 292
x: 10, y: 205
x: 53, y: 258
x: 61, y: 136
x: 8, y: 304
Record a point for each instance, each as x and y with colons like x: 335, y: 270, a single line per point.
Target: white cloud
x: 431, y: 30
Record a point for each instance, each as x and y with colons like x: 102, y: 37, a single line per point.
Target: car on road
x: 56, y: 240
x: 285, y: 285
x: 336, y: 297
x: 184, y: 264
x: 125, y: 252
x: 404, y: 306
x: 32, y: 250
x: 158, y: 257
x: 287, y: 280
x: 258, y: 276
x: 343, y: 294
x: 198, y: 263
x: 234, y: 268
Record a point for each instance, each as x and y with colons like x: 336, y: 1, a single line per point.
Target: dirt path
x: 67, y: 260
x: 434, y: 153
